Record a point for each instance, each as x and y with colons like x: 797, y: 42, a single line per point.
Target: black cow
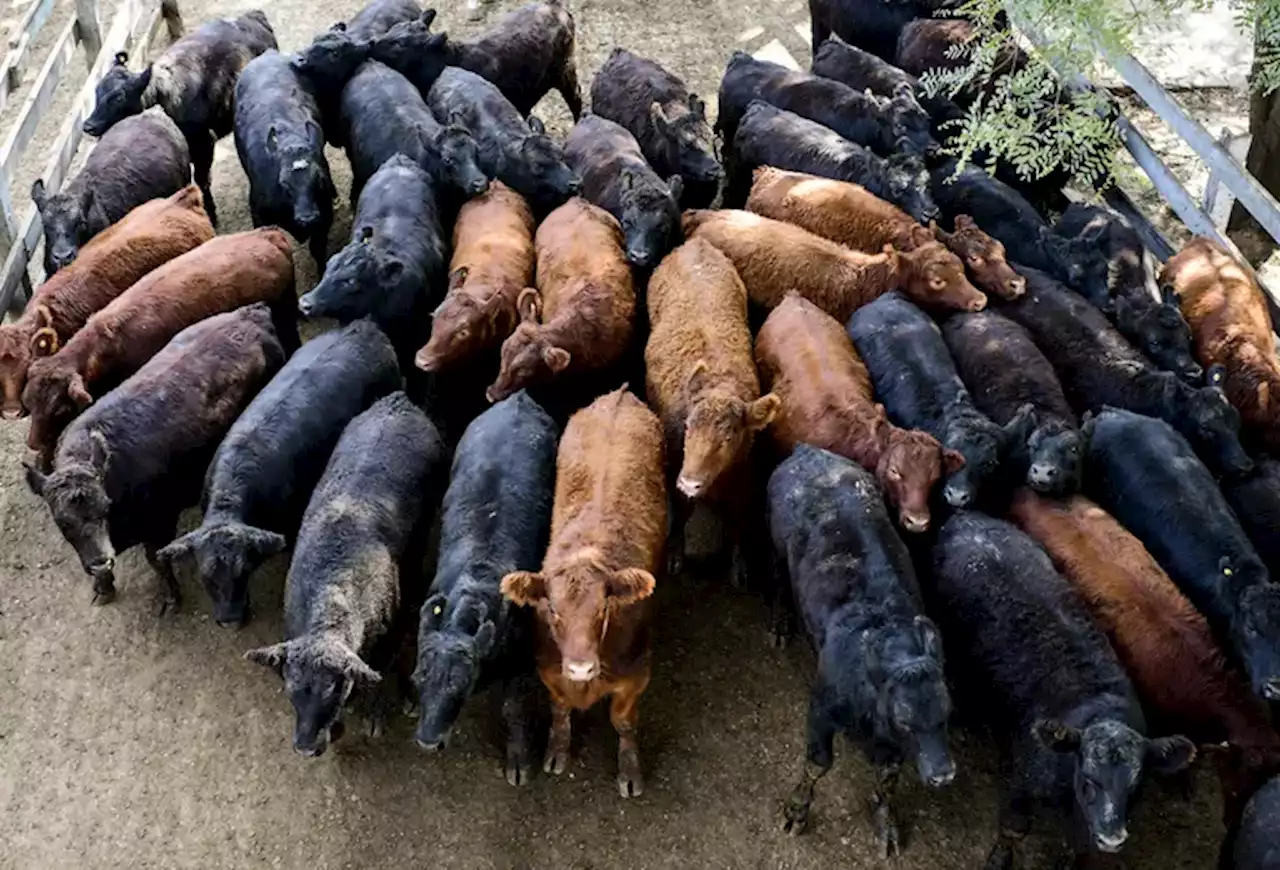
x: 383, y: 114
x: 526, y: 53
x: 333, y: 56
x: 140, y: 159
x: 127, y: 466
x: 616, y: 177
x: 1145, y: 474
x: 1252, y: 844
x: 265, y: 469
x: 280, y: 140
x: 886, y: 126
x: 667, y: 119
x: 880, y: 677
x: 518, y: 152
x: 349, y: 574
x: 1156, y: 328
x: 916, y: 381
x: 1006, y: 214
x: 864, y: 71
x: 1027, y: 654
x: 394, y: 268
x: 872, y: 25
x: 193, y: 82
x: 769, y: 136
x: 496, y: 519
x: 1098, y: 367
x: 1255, y: 500
x: 1005, y: 373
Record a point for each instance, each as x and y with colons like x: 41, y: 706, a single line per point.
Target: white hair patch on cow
x: 300, y: 163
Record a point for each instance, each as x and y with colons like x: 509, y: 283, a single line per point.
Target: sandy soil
x: 127, y: 741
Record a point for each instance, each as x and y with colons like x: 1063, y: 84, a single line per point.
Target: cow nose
x: 1111, y: 843
x: 690, y: 487
x: 313, y: 751
x: 581, y: 672
x: 12, y: 413
x: 575, y: 185
x: 102, y: 566
x: 942, y: 777
x: 637, y: 257
x: 306, y: 305
x: 1193, y: 373
x: 1042, y: 475
x: 1016, y: 286
x: 1271, y: 689
x: 957, y: 496
x: 915, y: 523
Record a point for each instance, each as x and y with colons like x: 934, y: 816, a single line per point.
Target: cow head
x: 981, y: 443
x: 528, y: 355
x: 650, y: 218
x: 331, y: 58
x: 464, y: 325
x: 911, y: 463
x: 54, y: 395
x: 225, y: 554
x: 718, y: 430
x: 78, y: 501
x: 687, y: 140
x: 319, y: 672
x: 1055, y: 453
x: 461, y: 159
x: 1160, y: 332
x: 908, y: 186
x: 1207, y: 420
x: 537, y: 169
x: 983, y: 256
x: 19, y: 345
x: 364, y: 278
x: 1108, y: 758
x: 303, y: 175
x: 1255, y: 629
x: 575, y: 603
x: 117, y: 96
x: 454, y: 641
x: 66, y: 218
x: 414, y: 50
x: 909, y: 123
x: 904, y: 665
x: 934, y: 277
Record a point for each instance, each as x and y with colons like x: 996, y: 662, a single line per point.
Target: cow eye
x: 895, y: 474
x: 1090, y: 791
x: 976, y: 261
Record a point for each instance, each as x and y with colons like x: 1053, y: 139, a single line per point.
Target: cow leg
x: 284, y: 316
x: 886, y: 822
x: 681, y: 510
x: 517, y: 715
x: 819, y: 757
x: 104, y: 587
x: 169, y: 597
x: 568, y: 88
x: 558, y: 745
x: 624, y: 712
x: 318, y: 245
x: 782, y: 618
x: 820, y: 32
x: 200, y: 142
x: 1015, y: 823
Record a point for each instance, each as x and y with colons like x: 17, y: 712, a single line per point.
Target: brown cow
x: 774, y: 257
x: 492, y: 262
x: 806, y: 357
x: 146, y: 238
x: 702, y: 381
x: 1164, y: 642
x: 1232, y: 330
x: 592, y: 594
x: 581, y: 314
x: 220, y: 275
x: 853, y: 216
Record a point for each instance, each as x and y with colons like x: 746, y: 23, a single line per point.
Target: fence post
x: 90, y: 27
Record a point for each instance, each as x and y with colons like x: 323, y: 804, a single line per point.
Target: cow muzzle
x: 581, y: 671
x: 689, y: 487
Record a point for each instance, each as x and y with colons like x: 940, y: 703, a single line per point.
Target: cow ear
x: 675, y: 186
x: 1019, y: 429
x: 1169, y: 755
x: 525, y: 588
x: 698, y: 378
x: 432, y: 614
x: 436, y: 41
x: 77, y: 392
x: 626, y: 180
x: 697, y: 106
x: 38, y: 195
x: 762, y: 411
x: 272, y: 656
x: 659, y: 118
x: 556, y: 358
x: 629, y: 586
x: 536, y: 125
x: 939, y: 233
x: 144, y: 78
x: 176, y: 549
x: 101, y: 454
x: 428, y: 18
x: 273, y: 137
x: 457, y: 278
x: 366, y: 234
x: 44, y: 342
x: 920, y: 235
x: 44, y: 317
x: 266, y: 544
x: 122, y: 58
x: 952, y: 461
x: 963, y: 222
x: 355, y: 669
x: 390, y: 269
x: 930, y: 641
x: 35, y: 478
x: 529, y: 305
x: 1123, y: 311
x: 1088, y: 423
x: 1056, y: 736
x: 1216, y: 376
x: 1169, y: 296
x: 485, y: 637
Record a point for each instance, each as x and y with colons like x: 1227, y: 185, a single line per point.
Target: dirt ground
x: 132, y: 741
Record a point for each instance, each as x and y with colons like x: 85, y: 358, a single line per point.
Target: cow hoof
x: 675, y: 564
x: 795, y: 819
x: 375, y: 728
x: 412, y: 709
x: 556, y: 762
x: 167, y: 605
x: 1001, y: 857
x: 630, y: 786
x: 778, y: 637
x: 518, y: 773
x: 890, y: 841
x: 103, y: 596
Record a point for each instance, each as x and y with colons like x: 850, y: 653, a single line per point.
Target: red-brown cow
x: 807, y: 359
x: 702, y: 381
x: 492, y: 262
x: 581, y: 314
x: 1232, y: 330
x: 1164, y: 642
x: 220, y: 275
x: 853, y: 216
x: 592, y: 595
x: 774, y: 257
x: 146, y: 238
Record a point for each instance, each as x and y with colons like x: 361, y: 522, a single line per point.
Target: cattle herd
x: 947, y: 422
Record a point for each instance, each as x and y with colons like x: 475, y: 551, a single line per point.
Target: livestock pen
x: 127, y: 740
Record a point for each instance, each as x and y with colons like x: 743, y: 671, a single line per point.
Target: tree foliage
x: 1026, y: 117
